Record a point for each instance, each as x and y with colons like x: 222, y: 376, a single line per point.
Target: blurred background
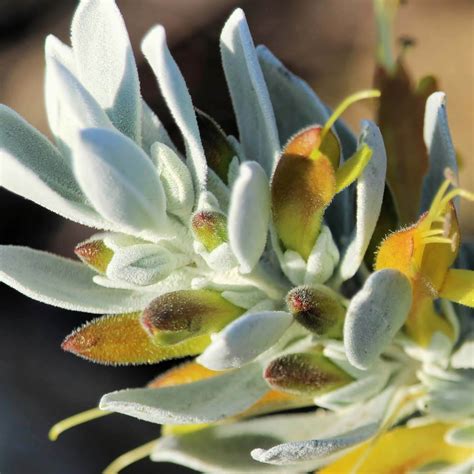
x: 330, y: 43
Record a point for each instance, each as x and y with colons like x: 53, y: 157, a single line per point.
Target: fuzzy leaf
x: 244, y: 339
x: 370, y: 191
x: 198, y: 402
x: 226, y: 447
x: 249, y: 215
x: 300, y: 451
x: 374, y: 316
x: 121, y: 340
x: 153, y: 130
x: 33, y: 168
x: 76, y: 108
x: 249, y: 94
x: 176, y: 180
x: 56, y: 51
x: 64, y: 283
x: 176, y: 95
x: 144, y: 264
x: 441, y: 151
x: 120, y: 180
x: 105, y: 63
x: 295, y: 104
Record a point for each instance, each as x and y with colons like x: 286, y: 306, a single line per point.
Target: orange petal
x: 120, y: 339
x: 307, y: 141
x: 275, y: 400
x: 184, y: 373
x: 397, y: 251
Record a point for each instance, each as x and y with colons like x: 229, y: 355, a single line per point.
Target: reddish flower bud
x: 317, y: 310
x: 303, y: 185
x: 178, y: 315
x: 210, y: 228
x: 95, y: 254
x: 305, y: 373
x: 120, y: 339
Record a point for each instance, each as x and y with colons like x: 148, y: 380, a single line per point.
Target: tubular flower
x: 248, y: 254
x: 424, y: 252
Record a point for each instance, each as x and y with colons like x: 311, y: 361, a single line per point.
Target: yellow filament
x: 454, y: 193
x: 75, y: 420
x: 433, y: 232
x: 435, y: 209
x: 130, y: 457
x: 344, y: 105
x: 437, y: 240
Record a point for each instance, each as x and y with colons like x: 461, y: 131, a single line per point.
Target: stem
x: 130, y: 457
x: 75, y: 420
x: 345, y: 104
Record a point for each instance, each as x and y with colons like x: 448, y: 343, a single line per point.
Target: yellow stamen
x: 436, y: 210
x: 438, y: 214
x: 432, y: 232
x: 345, y: 104
x: 455, y: 193
x: 75, y: 420
x: 130, y: 457
x: 437, y: 240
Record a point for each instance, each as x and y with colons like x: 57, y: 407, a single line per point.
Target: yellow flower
x: 424, y: 252
x: 400, y: 451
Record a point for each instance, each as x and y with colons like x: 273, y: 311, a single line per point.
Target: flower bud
x: 176, y: 316
x: 119, y: 339
x: 317, y: 310
x: 210, y: 228
x: 95, y: 254
x: 303, y: 185
x: 305, y: 373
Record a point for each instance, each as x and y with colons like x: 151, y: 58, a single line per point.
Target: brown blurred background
x: 330, y: 43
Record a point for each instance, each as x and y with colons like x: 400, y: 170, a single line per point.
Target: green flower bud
x: 95, y: 254
x: 210, y: 228
x: 179, y: 315
x: 305, y: 373
x: 317, y: 310
x: 303, y: 185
